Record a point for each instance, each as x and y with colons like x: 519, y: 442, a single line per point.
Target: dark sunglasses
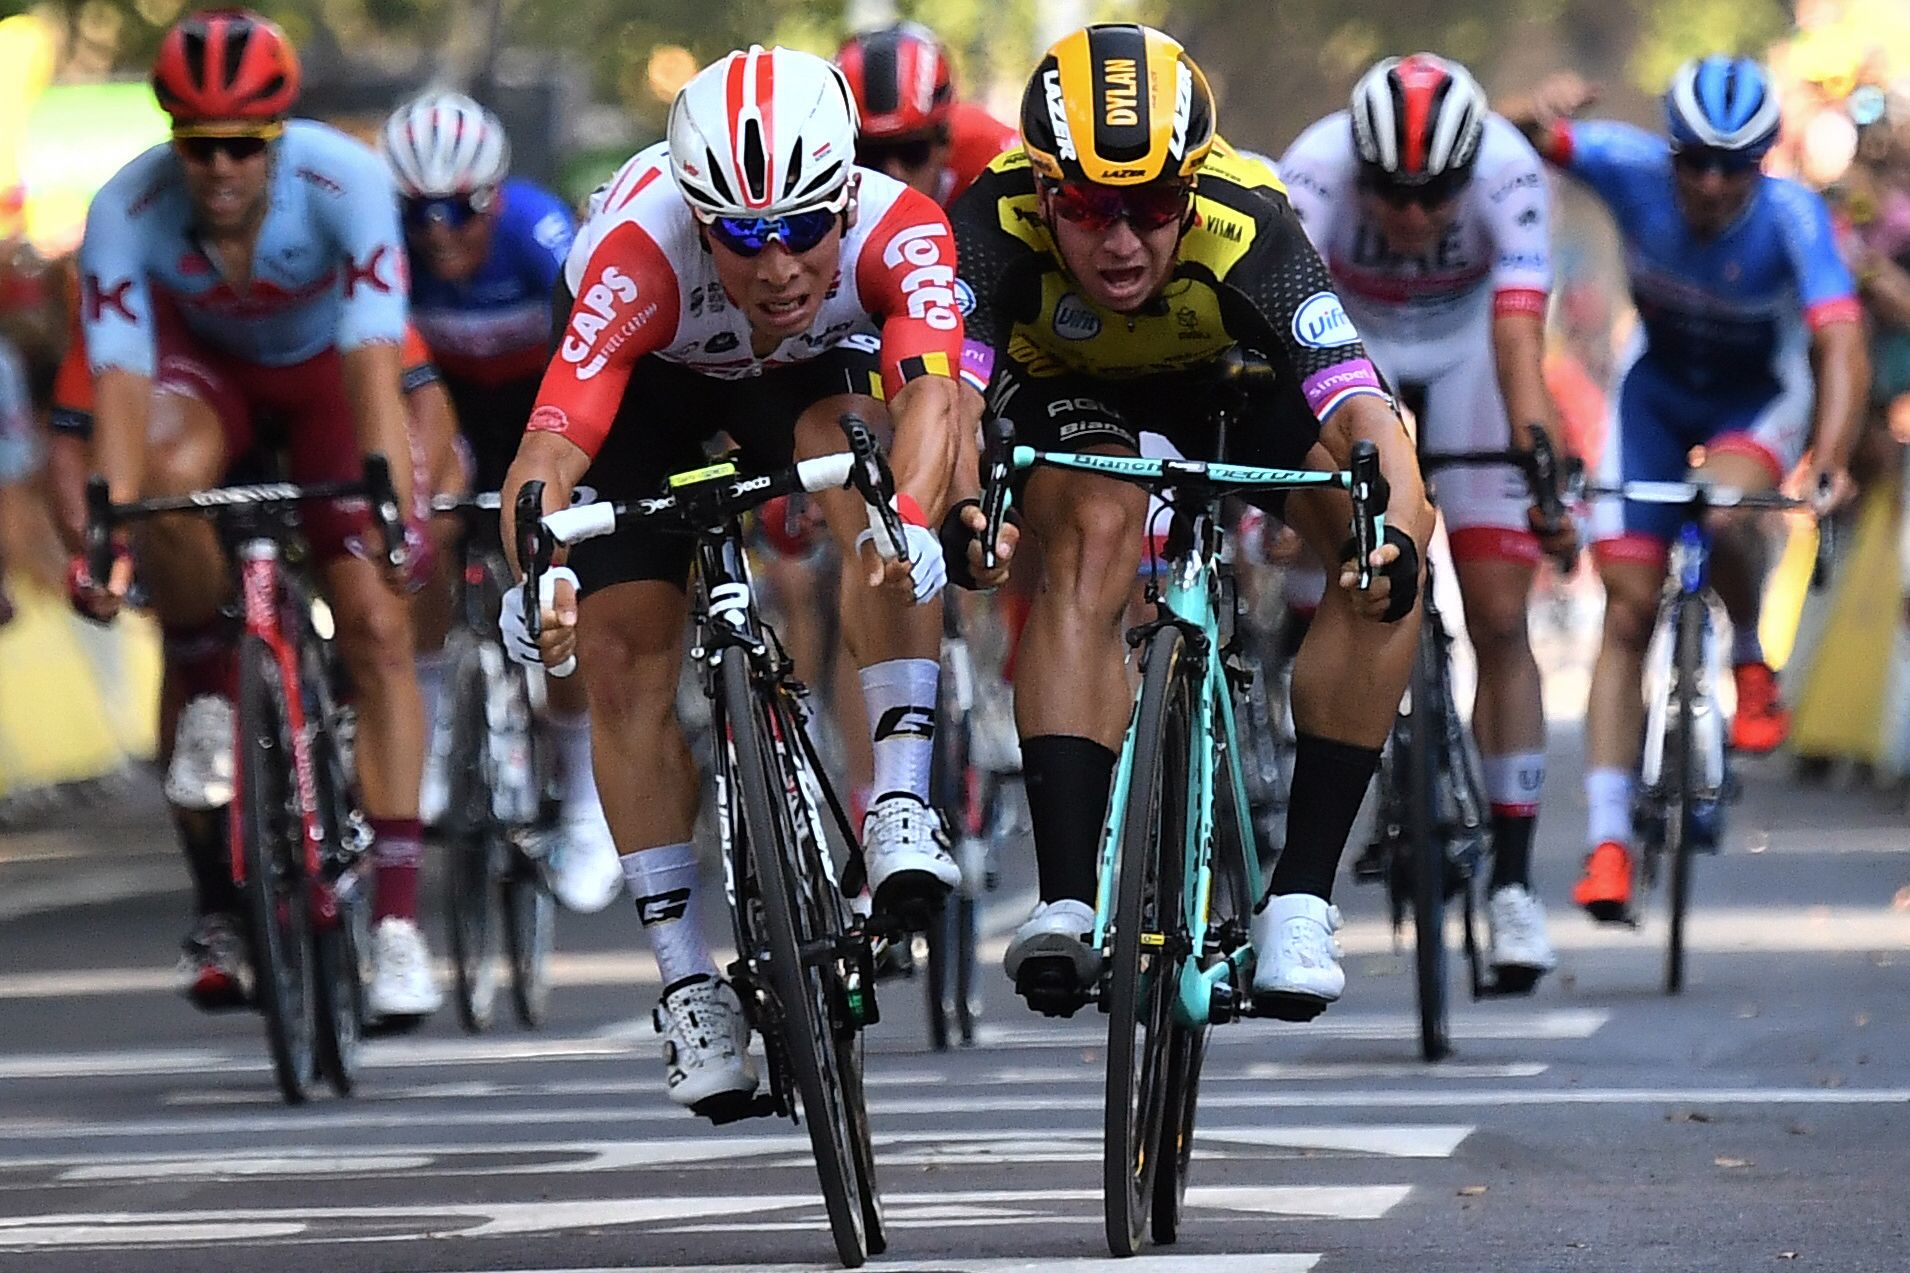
x: 1099, y: 207
x: 1435, y: 193
x: 912, y: 153
x: 453, y: 211
x: 1696, y: 161
x: 238, y: 148
x: 797, y: 231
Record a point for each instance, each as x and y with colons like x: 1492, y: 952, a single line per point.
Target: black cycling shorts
x: 668, y: 414
x: 1073, y: 412
x: 491, y: 419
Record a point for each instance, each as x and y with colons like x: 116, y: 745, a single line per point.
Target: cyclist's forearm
x: 551, y: 459
x: 930, y: 414
x: 1841, y: 366
x: 122, y: 405
x: 1368, y: 418
x: 1518, y: 346
x: 374, y: 385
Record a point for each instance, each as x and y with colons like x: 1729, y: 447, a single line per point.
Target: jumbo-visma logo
x: 1073, y: 320
x: 1321, y: 322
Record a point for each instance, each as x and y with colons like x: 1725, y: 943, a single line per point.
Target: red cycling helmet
x: 225, y: 64
x: 901, y: 81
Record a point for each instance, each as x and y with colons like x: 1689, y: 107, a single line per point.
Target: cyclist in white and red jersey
x: 252, y: 270
x: 911, y: 126
x: 1432, y: 216
x: 746, y: 277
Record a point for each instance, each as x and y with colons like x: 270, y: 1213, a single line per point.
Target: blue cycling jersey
x: 328, y: 269
x: 495, y: 327
x: 1717, y: 313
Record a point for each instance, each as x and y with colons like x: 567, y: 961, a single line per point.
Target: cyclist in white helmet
x: 747, y: 277
x: 486, y: 252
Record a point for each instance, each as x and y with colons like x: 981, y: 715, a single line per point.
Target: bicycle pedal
x: 912, y: 900
x: 1512, y: 981
x: 1370, y: 866
x: 733, y: 1107
x: 1286, y: 1007
x: 390, y: 1027
x: 1050, y: 987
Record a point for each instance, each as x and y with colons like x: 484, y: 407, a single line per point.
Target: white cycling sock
x: 900, y: 695
x: 575, y: 782
x: 1745, y: 645
x: 1608, y: 805
x: 664, y: 880
x: 430, y: 687
x: 1513, y: 782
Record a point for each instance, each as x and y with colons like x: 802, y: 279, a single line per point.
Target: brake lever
x: 873, y: 480
x: 533, y: 553
x: 1370, y: 496
x: 383, y: 500
x: 999, y: 453
x: 99, y: 530
x: 1548, y: 488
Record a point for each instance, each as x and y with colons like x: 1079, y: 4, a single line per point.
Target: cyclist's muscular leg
x: 1614, y: 714
x: 1508, y: 715
x: 1072, y: 693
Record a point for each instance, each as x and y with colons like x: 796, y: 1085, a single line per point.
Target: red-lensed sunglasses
x: 1099, y: 207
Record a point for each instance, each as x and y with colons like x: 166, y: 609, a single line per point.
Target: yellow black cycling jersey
x: 1247, y: 276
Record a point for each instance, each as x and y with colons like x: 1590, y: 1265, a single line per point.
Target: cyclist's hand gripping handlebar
x: 382, y: 499
x: 997, y: 468
x: 1547, y: 477
x: 871, y: 477
x: 1370, y: 496
x: 523, y: 629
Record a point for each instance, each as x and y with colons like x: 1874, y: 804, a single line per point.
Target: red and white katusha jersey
x: 1498, y: 245
x: 644, y: 284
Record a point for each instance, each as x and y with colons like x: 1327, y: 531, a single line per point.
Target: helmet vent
x: 755, y: 166
x: 717, y: 179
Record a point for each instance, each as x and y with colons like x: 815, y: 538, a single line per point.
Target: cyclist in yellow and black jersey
x: 1103, y: 265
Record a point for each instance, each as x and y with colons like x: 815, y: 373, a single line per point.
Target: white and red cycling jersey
x: 1427, y: 319
x: 645, y: 285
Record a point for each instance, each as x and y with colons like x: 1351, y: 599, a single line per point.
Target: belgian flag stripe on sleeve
x: 933, y: 363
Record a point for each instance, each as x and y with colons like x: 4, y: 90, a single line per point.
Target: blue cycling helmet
x: 1723, y: 103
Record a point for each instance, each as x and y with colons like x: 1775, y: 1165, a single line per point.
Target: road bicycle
x: 1432, y: 829
x: 299, y: 841
x: 1684, y: 776
x: 1179, y: 872
x: 501, y: 781
x: 805, y: 969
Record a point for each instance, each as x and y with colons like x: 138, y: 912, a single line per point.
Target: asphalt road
x: 1762, y: 1120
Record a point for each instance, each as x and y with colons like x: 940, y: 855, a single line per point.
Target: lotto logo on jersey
x: 930, y: 285
x: 1321, y: 322
x: 596, y: 310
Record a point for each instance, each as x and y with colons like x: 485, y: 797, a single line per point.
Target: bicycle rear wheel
x: 804, y: 977
x: 530, y: 925
x: 1680, y: 752
x: 474, y: 909
x: 277, y: 892
x: 1147, y: 937
x: 1428, y: 852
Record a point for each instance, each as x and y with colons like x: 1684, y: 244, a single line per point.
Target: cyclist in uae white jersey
x: 1432, y: 216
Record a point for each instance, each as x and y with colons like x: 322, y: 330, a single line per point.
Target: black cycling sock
x: 202, y: 838
x: 1329, y: 782
x: 1512, y: 849
x: 1067, y: 780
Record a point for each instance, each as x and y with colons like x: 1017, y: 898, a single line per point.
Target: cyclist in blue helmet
x: 1750, y: 345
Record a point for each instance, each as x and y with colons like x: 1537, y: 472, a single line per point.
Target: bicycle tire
x: 474, y: 905
x: 967, y: 913
x: 337, y: 951
x: 277, y: 899
x: 341, y: 999
x: 1679, y: 792
x: 1142, y: 986
x: 1428, y: 855
x: 949, y: 795
x: 530, y: 927
x: 805, y: 996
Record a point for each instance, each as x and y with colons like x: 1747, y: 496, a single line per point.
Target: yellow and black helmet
x: 1118, y: 104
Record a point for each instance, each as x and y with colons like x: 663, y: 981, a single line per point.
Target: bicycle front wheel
x: 277, y: 892
x: 803, y: 960
x: 1147, y: 937
x: 1681, y: 753
x: 1427, y: 847
x: 473, y: 907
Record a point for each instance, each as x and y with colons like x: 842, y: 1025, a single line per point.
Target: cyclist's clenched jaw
x: 1119, y: 266
x: 779, y: 291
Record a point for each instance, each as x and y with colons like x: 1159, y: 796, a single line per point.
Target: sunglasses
x: 1696, y: 161
x: 798, y: 232
x: 452, y: 211
x: 912, y: 153
x: 1435, y: 193
x: 1099, y: 207
x: 202, y: 148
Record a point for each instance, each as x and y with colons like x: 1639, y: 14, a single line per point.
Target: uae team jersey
x: 645, y: 285
x: 1717, y: 313
x: 1494, y: 252
x: 494, y: 327
x: 328, y: 270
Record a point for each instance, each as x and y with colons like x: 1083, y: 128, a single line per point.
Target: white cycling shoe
x: 200, y: 775
x: 1519, y: 947
x: 906, y: 852
x: 1051, y: 959
x: 402, y: 983
x: 582, y: 868
x: 1297, y: 969
x: 706, y: 1057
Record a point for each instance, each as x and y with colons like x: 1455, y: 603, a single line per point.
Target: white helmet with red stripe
x: 762, y: 133
x: 1418, y: 119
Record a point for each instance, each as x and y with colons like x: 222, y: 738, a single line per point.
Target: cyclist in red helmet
x: 912, y: 127
x: 252, y: 271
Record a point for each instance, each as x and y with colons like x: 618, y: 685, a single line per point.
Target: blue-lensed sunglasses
x: 797, y: 231
x: 455, y: 211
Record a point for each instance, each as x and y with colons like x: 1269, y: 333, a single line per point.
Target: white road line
x: 1553, y: 1024
x: 93, y: 888
x: 1150, y: 1263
